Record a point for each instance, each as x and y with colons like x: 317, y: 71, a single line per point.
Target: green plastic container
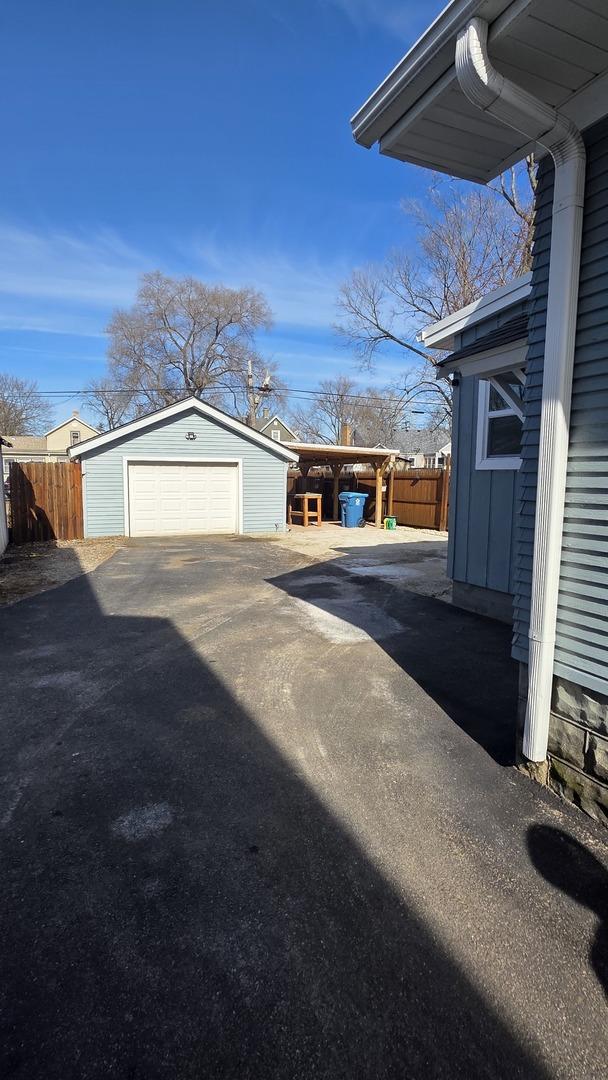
x: 390, y: 523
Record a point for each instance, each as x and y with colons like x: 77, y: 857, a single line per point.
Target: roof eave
x: 370, y: 121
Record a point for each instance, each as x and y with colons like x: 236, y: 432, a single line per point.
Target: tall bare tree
x: 23, y: 411
x: 320, y: 420
x: 469, y: 241
x: 375, y: 415
x: 182, y: 337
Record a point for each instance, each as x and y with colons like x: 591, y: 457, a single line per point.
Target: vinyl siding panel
x: 581, y: 653
x: 481, y: 503
x: 264, y: 474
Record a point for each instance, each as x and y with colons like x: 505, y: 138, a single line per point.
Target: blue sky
x: 192, y: 136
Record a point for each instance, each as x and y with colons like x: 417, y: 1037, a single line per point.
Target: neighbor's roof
x: 423, y: 442
x: 168, y: 412
x: 69, y: 420
x: 262, y: 424
x: 29, y: 444
x: 555, y: 49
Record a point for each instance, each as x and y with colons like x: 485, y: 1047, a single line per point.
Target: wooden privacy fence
x: 420, y: 497
x: 45, y: 501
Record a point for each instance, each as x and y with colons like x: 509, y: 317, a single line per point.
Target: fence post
x: 445, y: 495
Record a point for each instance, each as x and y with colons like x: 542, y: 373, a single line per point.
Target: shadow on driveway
x: 177, y: 902
x: 462, y: 661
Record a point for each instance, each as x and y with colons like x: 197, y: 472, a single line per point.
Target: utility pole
x: 255, y: 396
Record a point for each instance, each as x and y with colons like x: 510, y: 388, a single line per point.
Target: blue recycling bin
x: 352, y: 505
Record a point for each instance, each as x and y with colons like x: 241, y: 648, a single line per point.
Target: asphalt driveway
x: 258, y: 820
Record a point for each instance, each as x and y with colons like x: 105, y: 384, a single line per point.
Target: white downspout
x: 493, y: 93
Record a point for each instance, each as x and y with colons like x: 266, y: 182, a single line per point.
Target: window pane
x: 504, y: 436
x: 497, y: 402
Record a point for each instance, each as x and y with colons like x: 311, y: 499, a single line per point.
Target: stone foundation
x: 490, y: 602
x: 577, y: 759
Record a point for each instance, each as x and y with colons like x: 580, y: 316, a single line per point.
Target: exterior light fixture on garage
x: 191, y: 435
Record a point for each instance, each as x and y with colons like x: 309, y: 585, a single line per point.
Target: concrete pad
x: 413, y: 559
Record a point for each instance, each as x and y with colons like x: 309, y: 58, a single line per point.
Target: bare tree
x: 23, y: 411
x: 332, y: 406
x: 184, y: 337
x: 375, y: 415
x: 469, y: 243
x: 112, y: 407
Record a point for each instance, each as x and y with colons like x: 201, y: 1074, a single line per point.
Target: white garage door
x: 166, y: 499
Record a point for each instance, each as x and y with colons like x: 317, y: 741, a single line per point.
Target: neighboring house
x: 53, y: 446
x: 470, y: 99
x: 425, y: 449
x: 4, y: 443
x: 274, y: 427
x: 186, y: 469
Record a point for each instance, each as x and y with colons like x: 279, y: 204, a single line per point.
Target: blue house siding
x: 582, y: 636
x: 481, y: 505
x: 264, y: 473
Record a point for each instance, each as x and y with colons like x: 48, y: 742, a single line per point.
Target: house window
x: 429, y: 461
x: 499, y: 421
x: 276, y: 434
x: 74, y: 437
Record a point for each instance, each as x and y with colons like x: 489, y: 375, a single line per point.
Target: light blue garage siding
x: 264, y: 473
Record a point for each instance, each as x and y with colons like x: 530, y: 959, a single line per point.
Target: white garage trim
x: 187, y: 405
x: 180, y: 459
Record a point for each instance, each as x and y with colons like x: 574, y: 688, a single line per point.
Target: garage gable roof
x: 187, y: 405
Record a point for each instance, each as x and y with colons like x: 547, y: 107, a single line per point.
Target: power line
x: 301, y: 392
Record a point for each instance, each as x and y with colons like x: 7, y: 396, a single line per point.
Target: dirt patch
x: 27, y: 569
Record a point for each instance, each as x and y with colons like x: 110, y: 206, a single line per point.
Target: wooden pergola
x: 381, y: 460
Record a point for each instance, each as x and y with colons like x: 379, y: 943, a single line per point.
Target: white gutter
x: 493, y: 93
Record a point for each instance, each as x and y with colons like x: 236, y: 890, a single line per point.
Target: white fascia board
x: 485, y: 364
x: 440, y: 335
x: 81, y: 449
x: 422, y: 60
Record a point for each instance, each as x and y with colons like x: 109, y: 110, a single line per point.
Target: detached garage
x: 184, y: 470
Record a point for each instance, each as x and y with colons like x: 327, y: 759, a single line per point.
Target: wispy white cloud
x: 401, y: 18
x: 301, y: 290
x: 62, y: 282
x: 88, y: 271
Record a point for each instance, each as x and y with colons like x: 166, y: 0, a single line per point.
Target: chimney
x: 265, y: 414
x: 75, y: 412
x: 346, y: 435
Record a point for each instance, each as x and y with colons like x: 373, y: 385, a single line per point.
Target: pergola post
x: 390, y: 491
x: 336, y: 470
x: 378, y: 518
x: 304, y: 467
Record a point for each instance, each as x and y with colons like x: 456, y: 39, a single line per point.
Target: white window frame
x: 482, y: 459
x: 276, y: 434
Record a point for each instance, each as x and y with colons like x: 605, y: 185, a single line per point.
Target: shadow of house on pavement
x: 461, y: 661
x: 569, y: 866
x: 176, y: 900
